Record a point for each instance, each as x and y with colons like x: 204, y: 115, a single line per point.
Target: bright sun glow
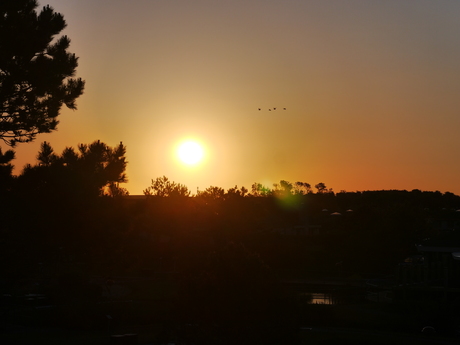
x: 190, y: 152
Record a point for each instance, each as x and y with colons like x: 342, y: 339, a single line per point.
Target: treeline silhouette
x: 66, y: 219
x: 73, y: 200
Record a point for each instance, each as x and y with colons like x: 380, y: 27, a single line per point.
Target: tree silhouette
x: 302, y: 188
x: 6, y: 169
x: 235, y: 192
x: 36, y: 71
x: 46, y: 156
x: 258, y: 189
x: 90, y: 172
x: 101, y: 165
x: 162, y: 187
x: 113, y: 189
x: 284, y: 188
x: 322, y: 189
x: 212, y: 193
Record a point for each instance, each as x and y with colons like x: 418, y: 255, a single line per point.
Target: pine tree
x: 36, y: 71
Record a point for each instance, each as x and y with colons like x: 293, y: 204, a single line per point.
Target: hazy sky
x: 371, y: 90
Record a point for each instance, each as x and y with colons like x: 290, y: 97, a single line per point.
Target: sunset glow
x: 358, y: 95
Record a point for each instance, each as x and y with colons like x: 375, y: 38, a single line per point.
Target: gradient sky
x: 372, y: 90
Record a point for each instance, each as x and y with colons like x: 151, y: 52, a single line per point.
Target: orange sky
x: 372, y: 90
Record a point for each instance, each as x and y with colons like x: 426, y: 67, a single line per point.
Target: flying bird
x: 270, y: 109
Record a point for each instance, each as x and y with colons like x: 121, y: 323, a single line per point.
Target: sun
x: 190, y: 152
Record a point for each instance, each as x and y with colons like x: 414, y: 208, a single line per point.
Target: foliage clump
x: 92, y: 170
x: 37, y: 72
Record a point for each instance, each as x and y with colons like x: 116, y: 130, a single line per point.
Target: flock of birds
x: 270, y: 109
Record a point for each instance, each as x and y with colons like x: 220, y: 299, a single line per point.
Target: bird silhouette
x: 270, y: 109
